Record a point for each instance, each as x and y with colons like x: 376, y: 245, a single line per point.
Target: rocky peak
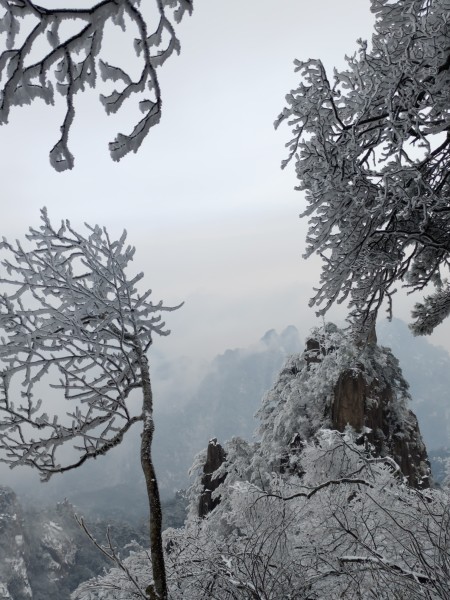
x: 368, y: 403
x: 336, y: 383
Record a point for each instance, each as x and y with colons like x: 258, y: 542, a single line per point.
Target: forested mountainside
x: 45, y: 555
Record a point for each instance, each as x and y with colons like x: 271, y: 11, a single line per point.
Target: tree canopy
x: 372, y: 152
x: 50, y: 51
x: 73, y: 319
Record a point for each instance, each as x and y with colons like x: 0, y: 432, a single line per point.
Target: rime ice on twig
x: 70, y: 313
x: 67, y: 63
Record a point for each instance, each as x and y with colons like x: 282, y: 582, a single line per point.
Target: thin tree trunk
x: 156, y: 546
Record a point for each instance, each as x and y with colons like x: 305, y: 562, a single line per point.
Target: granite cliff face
x: 368, y: 408
x: 375, y: 404
x: 215, y: 456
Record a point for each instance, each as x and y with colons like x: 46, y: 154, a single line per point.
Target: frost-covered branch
x: 315, y: 490
x: 69, y: 317
x: 61, y: 51
x: 432, y: 311
x: 379, y: 561
x: 372, y: 153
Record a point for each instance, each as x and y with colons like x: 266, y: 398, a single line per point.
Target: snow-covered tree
x: 75, y: 331
x: 371, y: 147
x: 49, y: 51
x: 348, y: 527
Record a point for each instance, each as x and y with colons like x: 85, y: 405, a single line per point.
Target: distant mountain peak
x: 270, y: 336
x: 288, y: 340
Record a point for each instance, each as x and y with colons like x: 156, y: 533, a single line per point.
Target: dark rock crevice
x: 215, y: 457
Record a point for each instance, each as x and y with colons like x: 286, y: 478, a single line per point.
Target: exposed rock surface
x: 215, y: 457
x: 370, y: 407
x: 367, y: 408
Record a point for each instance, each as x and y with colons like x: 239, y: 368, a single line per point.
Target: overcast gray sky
x: 213, y: 218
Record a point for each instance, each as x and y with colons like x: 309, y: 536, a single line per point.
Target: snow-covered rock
x: 14, y: 576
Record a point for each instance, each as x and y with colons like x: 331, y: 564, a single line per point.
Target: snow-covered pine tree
x: 72, y: 319
x: 49, y: 51
x: 371, y: 146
